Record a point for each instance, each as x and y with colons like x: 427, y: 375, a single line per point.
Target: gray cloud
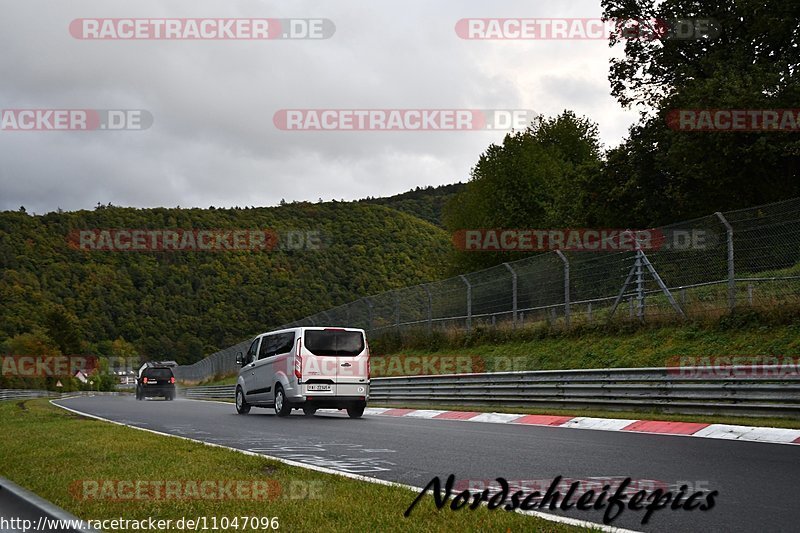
x: 213, y: 141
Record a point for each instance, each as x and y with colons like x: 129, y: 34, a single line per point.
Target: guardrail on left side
x: 29, y: 394
x: 25, y: 394
x: 32, y: 511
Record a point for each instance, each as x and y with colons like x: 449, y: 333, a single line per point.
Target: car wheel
x: 282, y: 407
x: 309, y: 411
x: 242, y: 407
x: 355, y: 411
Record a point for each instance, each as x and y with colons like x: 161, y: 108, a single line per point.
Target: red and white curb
x: 688, y: 429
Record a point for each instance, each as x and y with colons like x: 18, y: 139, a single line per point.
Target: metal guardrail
x: 28, y: 394
x: 747, y: 391
x: 24, y: 394
x: 42, y: 515
x: 215, y: 392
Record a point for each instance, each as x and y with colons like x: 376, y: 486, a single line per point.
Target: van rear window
x: 334, y: 342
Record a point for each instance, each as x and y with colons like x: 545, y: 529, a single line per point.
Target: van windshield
x: 334, y: 342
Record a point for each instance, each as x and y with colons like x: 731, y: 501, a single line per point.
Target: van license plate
x: 321, y: 388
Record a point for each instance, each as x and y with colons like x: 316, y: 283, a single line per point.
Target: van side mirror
x: 239, y: 359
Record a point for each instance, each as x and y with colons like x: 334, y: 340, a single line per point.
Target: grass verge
x: 47, y: 450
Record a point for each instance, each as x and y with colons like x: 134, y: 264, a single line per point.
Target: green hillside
x: 184, y: 305
x: 425, y: 203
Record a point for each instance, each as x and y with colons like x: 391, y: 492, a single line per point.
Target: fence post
x: 469, y: 301
x: 430, y: 307
x: 397, y: 311
x: 639, y: 286
x: 369, y: 313
x: 513, y: 295
x: 566, y: 286
x: 731, y: 271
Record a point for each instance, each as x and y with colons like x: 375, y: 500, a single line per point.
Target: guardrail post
x: 566, y: 286
x: 469, y: 301
x: 731, y: 270
x: 430, y: 307
x: 513, y: 295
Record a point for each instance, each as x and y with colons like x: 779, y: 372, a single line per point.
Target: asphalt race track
x: 757, y: 482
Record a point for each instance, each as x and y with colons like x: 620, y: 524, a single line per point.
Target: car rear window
x: 157, y: 373
x: 334, y: 342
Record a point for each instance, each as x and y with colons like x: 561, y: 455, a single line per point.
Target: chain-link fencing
x: 692, y: 269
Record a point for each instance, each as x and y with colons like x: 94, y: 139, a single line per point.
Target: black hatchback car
x: 156, y: 379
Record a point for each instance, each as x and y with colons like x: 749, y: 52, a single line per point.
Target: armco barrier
x: 216, y: 392
x: 24, y: 394
x: 40, y: 514
x: 689, y: 390
x: 27, y: 394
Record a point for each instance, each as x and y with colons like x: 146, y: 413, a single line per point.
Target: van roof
x: 313, y: 328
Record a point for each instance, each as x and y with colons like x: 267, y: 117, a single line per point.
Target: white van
x: 305, y: 368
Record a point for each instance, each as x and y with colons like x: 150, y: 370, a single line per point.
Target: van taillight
x: 369, y: 369
x: 144, y: 380
x: 298, y: 360
x: 172, y: 380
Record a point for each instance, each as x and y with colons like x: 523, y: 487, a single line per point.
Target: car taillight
x: 144, y: 380
x: 172, y: 380
x: 298, y: 360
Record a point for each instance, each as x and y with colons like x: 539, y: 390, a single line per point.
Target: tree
x: 748, y: 60
x: 533, y: 180
x: 63, y: 327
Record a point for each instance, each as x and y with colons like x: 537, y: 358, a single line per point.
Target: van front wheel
x: 282, y: 407
x: 356, y: 411
x: 242, y: 407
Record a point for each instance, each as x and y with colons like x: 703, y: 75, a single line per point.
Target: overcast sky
x: 213, y: 141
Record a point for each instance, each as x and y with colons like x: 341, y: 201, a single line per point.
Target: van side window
x: 251, y: 353
x: 285, y: 343
x: 267, y: 347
